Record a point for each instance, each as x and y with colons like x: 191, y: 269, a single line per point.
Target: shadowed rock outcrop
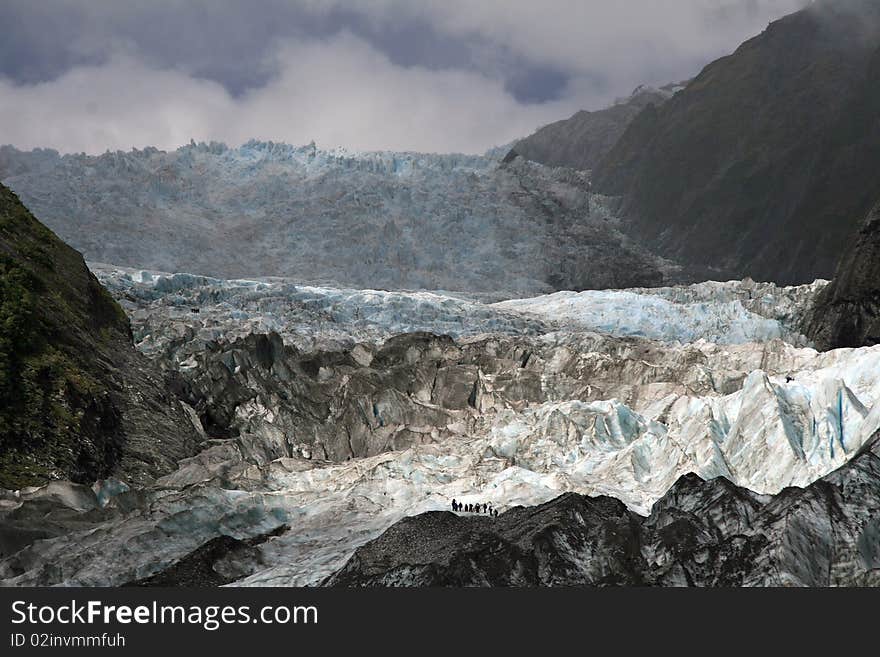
x: 847, y: 312
x: 220, y: 561
x: 77, y: 401
x: 701, y: 533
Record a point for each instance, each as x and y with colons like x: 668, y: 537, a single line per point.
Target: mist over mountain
x: 580, y: 142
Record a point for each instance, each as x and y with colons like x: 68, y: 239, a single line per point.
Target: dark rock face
x: 764, y: 165
x: 580, y: 142
x: 76, y: 399
x: 220, y: 561
x: 335, y: 405
x: 328, y: 405
x: 847, y: 312
x: 701, y: 533
x: 569, y: 541
x: 415, y: 388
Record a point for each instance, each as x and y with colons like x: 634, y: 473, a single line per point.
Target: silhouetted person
x: 496, y: 513
x: 485, y: 508
x: 454, y: 505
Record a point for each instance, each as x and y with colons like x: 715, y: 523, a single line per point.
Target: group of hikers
x: 460, y: 507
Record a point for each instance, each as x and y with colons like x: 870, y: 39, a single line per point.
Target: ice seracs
x: 309, y: 317
x: 612, y: 414
x: 728, y: 313
x: 336, y: 218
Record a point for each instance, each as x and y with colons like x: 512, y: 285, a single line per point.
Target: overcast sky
x: 427, y: 75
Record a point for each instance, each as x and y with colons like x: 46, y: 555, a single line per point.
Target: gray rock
x: 77, y: 400
x: 701, y: 533
x: 420, y: 388
x: 847, y: 312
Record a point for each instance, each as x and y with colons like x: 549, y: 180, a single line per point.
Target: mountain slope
x: 847, y: 312
x: 764, y: 164
x: 582, y: 140
x: 76, y: 400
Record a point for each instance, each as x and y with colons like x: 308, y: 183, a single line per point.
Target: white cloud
x: 585, y: 37
x: 339, y: 92
x: 117, y: 105
x: 343, y: 91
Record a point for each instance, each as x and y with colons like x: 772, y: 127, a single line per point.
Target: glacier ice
x: 310, y: 317
x: 727, y: 313
x: 335, y: 218
x: 794, y: 415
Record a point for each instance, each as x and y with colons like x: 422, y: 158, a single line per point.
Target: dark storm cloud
x: 419, y: 74
x: 227, y: 41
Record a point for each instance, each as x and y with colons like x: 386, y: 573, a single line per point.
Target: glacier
x: 727, y: 313
x: 524, y: 458
x: 630, y: 390
x: 161, y: 307
x: 336, y: 218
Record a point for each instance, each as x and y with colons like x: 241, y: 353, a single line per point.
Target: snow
x: 309, y: 317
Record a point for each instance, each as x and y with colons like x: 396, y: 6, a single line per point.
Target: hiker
x: 485, y: 508
x: 454, y: 505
